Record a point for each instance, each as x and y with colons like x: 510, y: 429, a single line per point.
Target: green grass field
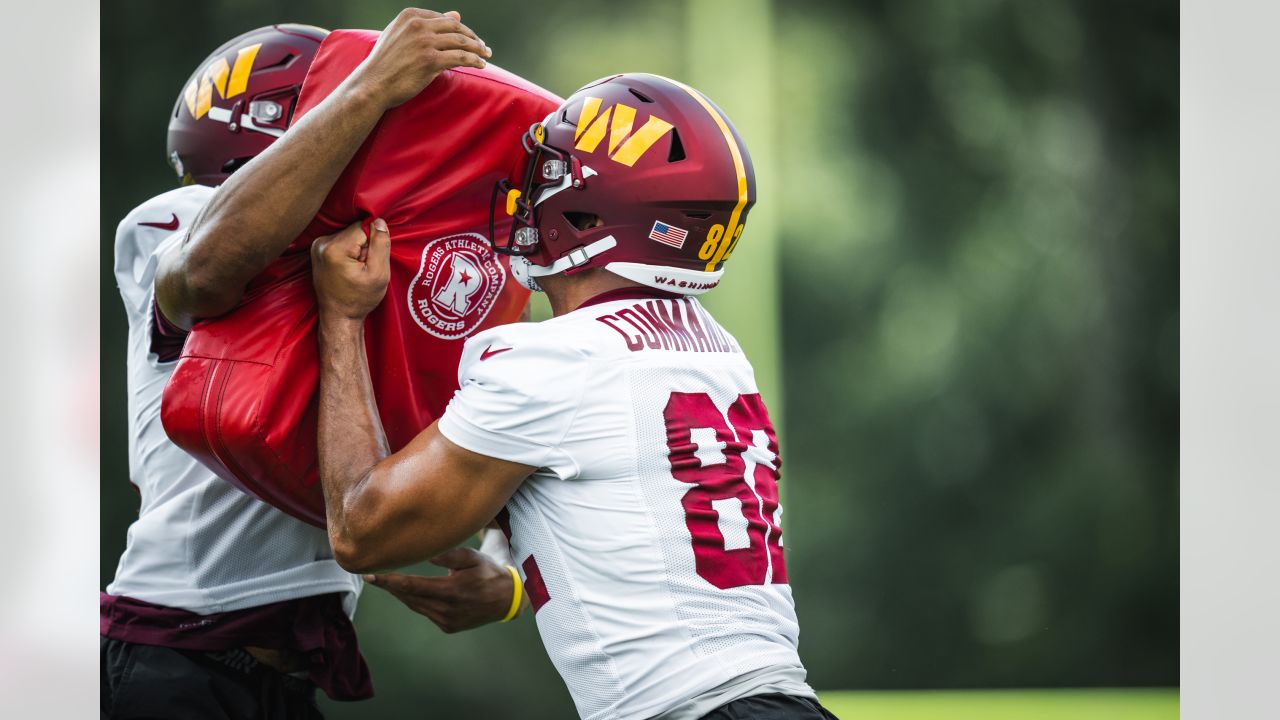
x: 1144, y: 704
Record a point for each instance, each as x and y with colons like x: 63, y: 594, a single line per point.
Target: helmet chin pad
x: 520, y: 270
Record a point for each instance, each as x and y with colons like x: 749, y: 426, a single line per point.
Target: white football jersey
x: 650, y: 537
x: 199, y: 543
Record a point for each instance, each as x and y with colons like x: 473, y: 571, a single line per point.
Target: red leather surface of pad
x: 243, y: 396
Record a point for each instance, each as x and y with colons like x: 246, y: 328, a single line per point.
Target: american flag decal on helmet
x: 668, y: 234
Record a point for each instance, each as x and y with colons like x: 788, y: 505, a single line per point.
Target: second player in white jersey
x: 199, y: 543
x: 650, y: 537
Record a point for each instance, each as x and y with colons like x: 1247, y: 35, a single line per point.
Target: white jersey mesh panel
x: 592, y: 677
x: 199, y: 543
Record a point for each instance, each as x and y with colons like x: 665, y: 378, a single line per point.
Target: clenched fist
x: 416, y: 47
x: 350, y: 271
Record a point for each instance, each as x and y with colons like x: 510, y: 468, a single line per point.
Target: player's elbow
x: 209, y: 290
x: 351, y: 555
x: 371, y: 539
x: 188, y: 291
x: 386, y: 516
x: 366, y: 552
x: 355, y: 548
x: 356, y: 536
x: 210, y: 298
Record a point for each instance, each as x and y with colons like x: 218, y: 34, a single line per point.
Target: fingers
x: 379, y: 252
x: 458, y: 558
x: 415, y: 586
x: 345, y: 243
x: 459, y: 58
x: 437, y: 23
x: 456, y: 602
x: 458, y: 41
x: 411, y: 13
x: 349, y: 243
x: 446, y: 25
x: 415, y: 48
x: 455, y: 45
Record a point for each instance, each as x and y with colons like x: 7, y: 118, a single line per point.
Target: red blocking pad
x: 242, y: 398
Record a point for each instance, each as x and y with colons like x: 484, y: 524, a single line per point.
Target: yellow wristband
x: 518, y: 588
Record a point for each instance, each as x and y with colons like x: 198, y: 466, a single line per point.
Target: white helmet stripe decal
x: 565, y: 183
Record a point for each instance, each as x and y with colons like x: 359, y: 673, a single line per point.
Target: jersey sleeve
x: 137, y: 258
x: 518, y: 396
x: 144, y: 235
x: 494, y: 544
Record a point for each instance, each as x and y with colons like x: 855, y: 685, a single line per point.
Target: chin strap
x: 577, y: 258
x: 527, y: 274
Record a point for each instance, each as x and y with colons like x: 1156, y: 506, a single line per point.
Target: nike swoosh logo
x: 490, y: 352
x: 171, y: 225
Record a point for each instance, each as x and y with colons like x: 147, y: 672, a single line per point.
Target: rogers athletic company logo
x: 456, y: 286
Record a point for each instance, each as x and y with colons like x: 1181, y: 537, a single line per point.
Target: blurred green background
x: 959, y: 287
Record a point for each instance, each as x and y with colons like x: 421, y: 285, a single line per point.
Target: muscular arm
x: 267, y: 203
x: 386, y: 509
x: 262, y: 208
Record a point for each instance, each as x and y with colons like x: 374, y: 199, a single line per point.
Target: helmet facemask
x: 549, y: 170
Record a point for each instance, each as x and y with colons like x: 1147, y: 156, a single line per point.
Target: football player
x: 623, y: 442
x: 223, y: 606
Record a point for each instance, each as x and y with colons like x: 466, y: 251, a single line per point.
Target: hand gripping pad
x: 242, y: 398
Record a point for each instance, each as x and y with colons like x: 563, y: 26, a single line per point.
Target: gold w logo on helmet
x: 228, y: 80
x: 625, y: 146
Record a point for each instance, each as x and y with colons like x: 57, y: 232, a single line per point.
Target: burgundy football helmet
x: 635, y: 173
x: 239, y: 100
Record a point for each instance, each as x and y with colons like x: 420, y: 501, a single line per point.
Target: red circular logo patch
x: 456, y: 285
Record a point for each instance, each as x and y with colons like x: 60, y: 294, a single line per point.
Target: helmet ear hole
x: 676, y: 153
x: 583, y: 221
